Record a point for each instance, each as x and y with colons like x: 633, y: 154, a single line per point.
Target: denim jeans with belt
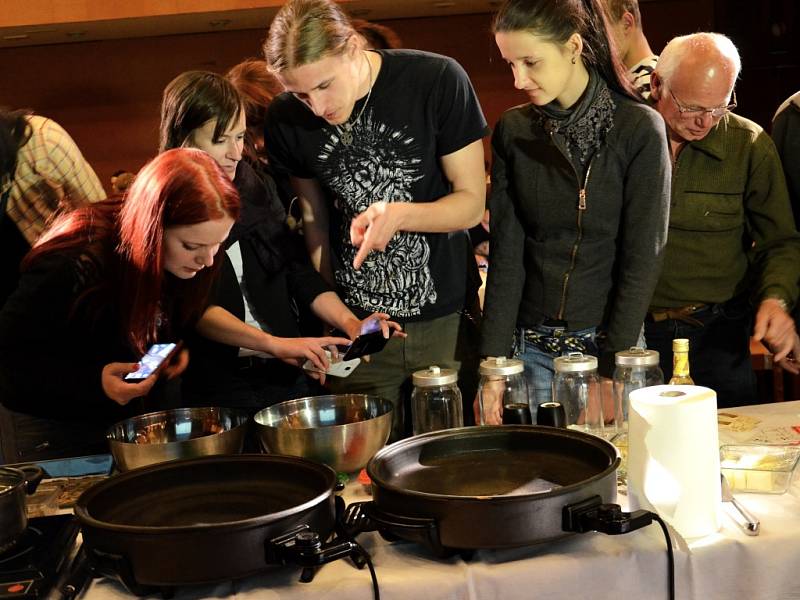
x: 719, y: 350
x: 538, y: 362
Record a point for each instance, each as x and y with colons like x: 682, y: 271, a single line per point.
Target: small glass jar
x: 436, y: 400
x: 576, y: 386
x: 503, y: 392
x: 636, y: 368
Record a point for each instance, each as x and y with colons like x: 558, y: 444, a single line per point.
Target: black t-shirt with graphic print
x: 422, y: 107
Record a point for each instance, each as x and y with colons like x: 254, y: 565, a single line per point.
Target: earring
x: 574, y: 58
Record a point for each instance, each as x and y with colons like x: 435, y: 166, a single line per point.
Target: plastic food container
x: 761, y: 469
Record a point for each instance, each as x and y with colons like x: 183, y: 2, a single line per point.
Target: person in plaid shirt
x: 42, y: 173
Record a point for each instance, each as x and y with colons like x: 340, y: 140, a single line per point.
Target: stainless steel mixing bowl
x: 343, y: 431
x: 180, y: 433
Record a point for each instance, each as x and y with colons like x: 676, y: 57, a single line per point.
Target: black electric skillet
x: 210, y: 519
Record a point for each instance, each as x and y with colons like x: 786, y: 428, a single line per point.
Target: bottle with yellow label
x: 680, y: 363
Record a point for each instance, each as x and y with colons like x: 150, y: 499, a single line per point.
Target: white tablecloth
x: 728, y: 565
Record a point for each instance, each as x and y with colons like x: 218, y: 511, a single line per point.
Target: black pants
x: 13, y: 248
x: 719, y: 351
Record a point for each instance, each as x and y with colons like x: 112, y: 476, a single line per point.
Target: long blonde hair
x: 305, y: 31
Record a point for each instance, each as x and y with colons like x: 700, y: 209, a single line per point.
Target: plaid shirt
x: 51, y: 176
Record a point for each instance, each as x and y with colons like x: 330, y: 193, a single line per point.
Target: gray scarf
x: 585, y: 125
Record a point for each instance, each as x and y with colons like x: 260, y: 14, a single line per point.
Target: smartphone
x: 368, y: 343
x: 157, y: 356
x: 337, y: 368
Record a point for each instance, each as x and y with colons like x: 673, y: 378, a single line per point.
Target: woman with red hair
x: 102, y: 284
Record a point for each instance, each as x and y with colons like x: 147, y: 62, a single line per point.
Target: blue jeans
x: 538, y: 363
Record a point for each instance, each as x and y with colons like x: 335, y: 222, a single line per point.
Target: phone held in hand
x: 156, y: 358
x: 368, y: 343
x: 337, y: 367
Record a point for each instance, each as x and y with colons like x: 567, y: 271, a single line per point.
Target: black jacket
x: 278, y: 276
x: 538, y: 229
x: 52, y: 353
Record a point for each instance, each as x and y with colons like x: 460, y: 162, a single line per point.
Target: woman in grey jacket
x: 580, y: 195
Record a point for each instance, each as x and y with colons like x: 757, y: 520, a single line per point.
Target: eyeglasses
x: 716, y: 113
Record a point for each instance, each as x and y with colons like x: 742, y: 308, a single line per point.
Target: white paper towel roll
x: 673, y: 456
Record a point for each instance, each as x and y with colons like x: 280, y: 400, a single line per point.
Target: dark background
x: 107, y: 93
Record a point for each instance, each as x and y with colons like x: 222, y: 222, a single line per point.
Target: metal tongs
x: 750, y: 525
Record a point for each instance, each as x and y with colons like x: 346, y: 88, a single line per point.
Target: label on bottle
x: 680, y: 369
x: 680, y: 364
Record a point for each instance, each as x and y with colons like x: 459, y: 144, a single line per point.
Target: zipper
x: 574, y: 253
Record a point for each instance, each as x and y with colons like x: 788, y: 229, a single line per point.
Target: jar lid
x: 501, y: 366
x: 636, y: 357
x: 575, y: 362
x: 433, y: 376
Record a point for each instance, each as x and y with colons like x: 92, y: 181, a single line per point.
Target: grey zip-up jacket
x: 583, y: 249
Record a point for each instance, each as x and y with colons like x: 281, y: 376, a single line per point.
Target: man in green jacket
x: 732, y: 248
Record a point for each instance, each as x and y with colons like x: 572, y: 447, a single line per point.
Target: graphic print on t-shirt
x: 381, y: 164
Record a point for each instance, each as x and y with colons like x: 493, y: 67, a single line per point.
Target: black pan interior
x: 207, y: 491
x: 492, y: 461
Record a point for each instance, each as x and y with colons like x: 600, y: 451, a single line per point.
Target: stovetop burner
x: 29, y: 568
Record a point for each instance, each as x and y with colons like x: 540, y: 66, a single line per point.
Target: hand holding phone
x: 156, y: 358
x: 112, y: 379
x: 363, y: 345
x: 337, y: 367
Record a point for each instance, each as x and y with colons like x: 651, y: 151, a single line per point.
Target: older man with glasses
x: 732, y: 259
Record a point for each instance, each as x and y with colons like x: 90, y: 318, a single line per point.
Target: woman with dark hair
x: 580, y: 195
x: 251, y: 331
x: 100, y: 286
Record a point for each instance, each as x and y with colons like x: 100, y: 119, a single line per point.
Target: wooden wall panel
x: 107, y: 93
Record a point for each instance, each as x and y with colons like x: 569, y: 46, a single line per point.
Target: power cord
x: 670, y: 556
x: 592, y: 515
x: 376, y: 592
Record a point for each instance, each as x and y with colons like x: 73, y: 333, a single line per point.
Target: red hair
x: 182, y: 186
x: 257, y: 87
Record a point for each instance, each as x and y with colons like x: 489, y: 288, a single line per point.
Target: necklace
x: 346, y: 130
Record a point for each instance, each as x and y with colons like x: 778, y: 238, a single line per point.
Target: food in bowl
x: 759, y: 468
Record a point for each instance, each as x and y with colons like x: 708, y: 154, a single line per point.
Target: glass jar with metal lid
x: 576, y: 386
x: 636, y: 368
x: 436, y: 400
x: 502, y: 392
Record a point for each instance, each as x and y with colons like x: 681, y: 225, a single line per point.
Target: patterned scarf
x: 585, y: 125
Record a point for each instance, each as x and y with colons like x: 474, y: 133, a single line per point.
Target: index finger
x: 361, y: 255
x: 335, y: 341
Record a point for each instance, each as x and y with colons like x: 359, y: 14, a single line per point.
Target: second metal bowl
x: 173, y: 434
x: 343, y: 431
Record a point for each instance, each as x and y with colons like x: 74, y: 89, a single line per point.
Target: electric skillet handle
x: 303, y: 548
x: 422, y: 530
